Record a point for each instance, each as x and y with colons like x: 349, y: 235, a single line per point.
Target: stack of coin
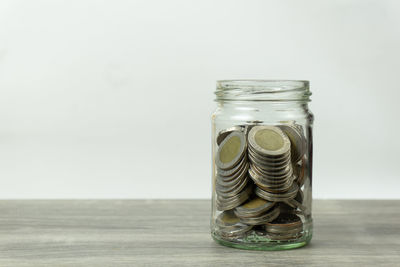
x: 232, y: 182
x: 229, y: 226
x: 269, y: 153
x: 257, y: 211
x: 281, y: 196
x: 287, y: 226
x: 298, y: 142
x: 274, y: 158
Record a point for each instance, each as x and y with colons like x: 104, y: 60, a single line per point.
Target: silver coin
x: 253, y: 207
x: 268, y: 186
x: 268, y: 182
x: 297, y: 139
x: 228, y: 225
x: 273, y: 175
x: 276, y: 230
x: 235, y: 170
x: 290, y: 194
x: 231, y: 150
x: 235, y: 232
x: 269, y: 140
x: 231, y: 183
x: 224, y: 133
x: 276, y: 160
x: 273, y: 189
x: 268, y: 165
x: 256, y: 173
x: 284, y: 237
x: 227, y: 218
x: 262, y: 219
x: 228, y: 191
x: 285, y: 226
x: 284, y: 223
x: 228, y: 203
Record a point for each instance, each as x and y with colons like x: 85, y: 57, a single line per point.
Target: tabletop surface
x: 176, y: 233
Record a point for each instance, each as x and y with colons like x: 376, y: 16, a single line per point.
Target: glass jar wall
x: 262, y: 164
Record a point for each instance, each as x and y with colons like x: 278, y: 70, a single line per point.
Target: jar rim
x: 263, y: 90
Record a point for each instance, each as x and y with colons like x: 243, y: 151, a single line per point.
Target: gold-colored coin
x: 235, y: 171
x: 297, y: 140
x: 268, y: 140
x: 224, y: 133
x: 231, y: 151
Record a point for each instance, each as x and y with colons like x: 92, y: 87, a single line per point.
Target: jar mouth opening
x: 263, y: 90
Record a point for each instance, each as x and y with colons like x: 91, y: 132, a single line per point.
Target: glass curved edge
x: 283, y: 245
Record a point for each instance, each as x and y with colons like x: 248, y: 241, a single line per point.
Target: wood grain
x: 176, y: 233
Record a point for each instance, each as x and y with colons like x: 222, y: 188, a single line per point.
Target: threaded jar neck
x: 263, y: 90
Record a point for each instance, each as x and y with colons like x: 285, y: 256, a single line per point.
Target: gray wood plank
x: 176, y: 233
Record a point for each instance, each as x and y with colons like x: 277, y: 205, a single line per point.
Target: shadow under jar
x: 262, y: 164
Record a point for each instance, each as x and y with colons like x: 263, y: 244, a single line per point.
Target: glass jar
x: 262, y: 164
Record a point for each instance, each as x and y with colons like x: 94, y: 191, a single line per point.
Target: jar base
x: 264, y: 243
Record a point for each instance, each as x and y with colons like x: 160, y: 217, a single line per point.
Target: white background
x: 112, y: 99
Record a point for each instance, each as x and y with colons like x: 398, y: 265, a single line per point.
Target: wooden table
x: 176, y: 233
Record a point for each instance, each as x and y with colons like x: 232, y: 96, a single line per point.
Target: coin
x: 283, y: 237
x: 268, y: 140
x: 227, y: 203
x: 253, y: 207
x: 231, y: 183
x: 274, y: 189
x: 231, y: 191
x: 231, y: 150
x: 268, y: 165
x: 227, y: 218
x: 290, y: 194
x: 230, y: 173
x: 224, y: 133
x: 278, y: 174
x: 262, y: 219
x: 235, y: 177
x: 270, y: 186
x: 285, y: 226
x: 297, y: 139
x: 228, y: 225
x: 267, y: 158
x: 285, y: 221
x: 262, y: 182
